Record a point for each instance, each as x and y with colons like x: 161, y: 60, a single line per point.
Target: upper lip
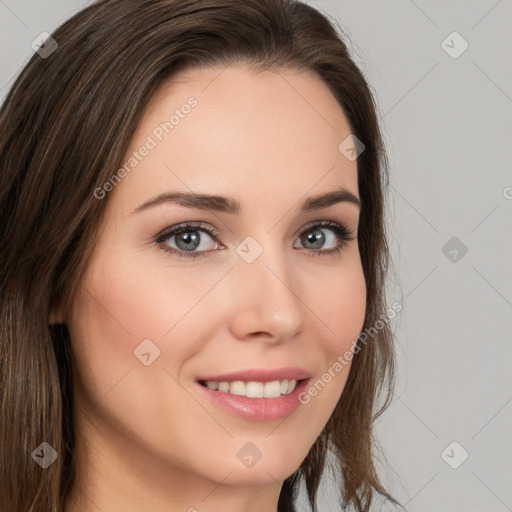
x: 260, y: 375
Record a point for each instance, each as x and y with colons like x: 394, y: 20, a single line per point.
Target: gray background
x: 447, y: 125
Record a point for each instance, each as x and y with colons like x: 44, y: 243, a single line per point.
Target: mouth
x: 257, y: 395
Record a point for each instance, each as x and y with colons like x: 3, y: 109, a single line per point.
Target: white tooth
x: 291, y: 386
x: 237, y: 388
x: 272, y: 389
x: 284, y: 386
x: 254, y: 389
x: 213, y: 384
x: 224, y: 386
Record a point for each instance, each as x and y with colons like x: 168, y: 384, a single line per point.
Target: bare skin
x: 147, y: 437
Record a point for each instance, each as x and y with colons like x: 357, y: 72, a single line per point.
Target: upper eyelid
x: 201, y: 226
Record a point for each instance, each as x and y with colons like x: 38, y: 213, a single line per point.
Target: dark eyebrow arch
x: 232, y: 206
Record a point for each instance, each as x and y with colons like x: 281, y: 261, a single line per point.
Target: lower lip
x: 257, y: 409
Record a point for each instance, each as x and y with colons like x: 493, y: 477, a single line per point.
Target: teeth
x: 222, y: 386
x: 237, y: 388
x: 271, y: 389
x: 253, y: 389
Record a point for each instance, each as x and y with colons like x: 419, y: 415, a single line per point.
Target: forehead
x: 272, y: 135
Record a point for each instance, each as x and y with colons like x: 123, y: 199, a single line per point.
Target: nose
x: 266, y: 302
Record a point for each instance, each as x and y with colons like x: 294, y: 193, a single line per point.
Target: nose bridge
x: 265, y: 298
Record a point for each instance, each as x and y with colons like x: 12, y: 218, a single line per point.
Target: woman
x: 168, y: 167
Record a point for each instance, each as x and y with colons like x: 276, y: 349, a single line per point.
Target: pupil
x: 316, y: 238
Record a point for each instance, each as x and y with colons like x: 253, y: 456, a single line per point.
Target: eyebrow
x: 232, y: 206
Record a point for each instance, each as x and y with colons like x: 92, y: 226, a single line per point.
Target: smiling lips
x: 260, y: 395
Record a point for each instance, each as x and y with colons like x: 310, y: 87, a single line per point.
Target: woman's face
x: 264, y: 294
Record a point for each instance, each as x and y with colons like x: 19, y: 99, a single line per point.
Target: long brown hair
x: 64, y: 128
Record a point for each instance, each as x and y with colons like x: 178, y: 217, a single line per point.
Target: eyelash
x: 344, y: 234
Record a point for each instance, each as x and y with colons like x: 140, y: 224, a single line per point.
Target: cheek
x: 121, y: 304
x: 135, y: 302
x: 342, y: 304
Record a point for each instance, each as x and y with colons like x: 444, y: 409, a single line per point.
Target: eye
x: 188, y: 241
x: 314, y: 238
